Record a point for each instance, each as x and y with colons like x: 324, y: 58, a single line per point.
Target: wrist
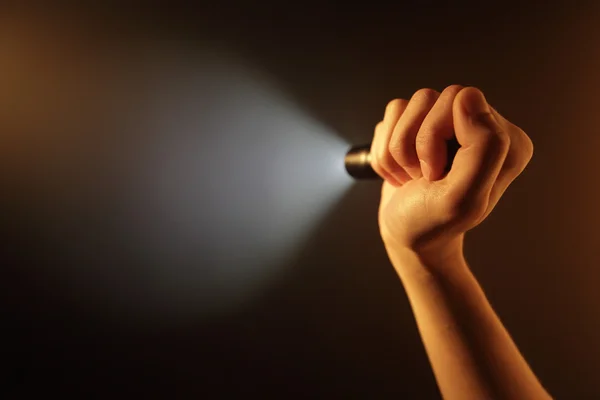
x: 441, y: 262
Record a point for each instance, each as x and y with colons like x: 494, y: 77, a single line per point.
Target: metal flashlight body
x: 358, y: 163
x: 358, y: 160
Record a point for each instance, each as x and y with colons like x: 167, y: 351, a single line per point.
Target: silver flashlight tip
x: 358, y: 163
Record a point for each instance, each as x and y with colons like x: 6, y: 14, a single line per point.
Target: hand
x: 423, y: 209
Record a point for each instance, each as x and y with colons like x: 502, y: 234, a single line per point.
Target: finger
x: 382, y: 160
x: 394, y: 111
x: 519, y: 155
x: 484, y: 147
x: 375, y: 152
x: 437, y: 128
x: 402, y: 144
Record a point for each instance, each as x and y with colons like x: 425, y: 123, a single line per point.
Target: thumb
x: 484, y: 146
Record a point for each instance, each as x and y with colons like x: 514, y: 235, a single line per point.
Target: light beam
x: 235, y: 179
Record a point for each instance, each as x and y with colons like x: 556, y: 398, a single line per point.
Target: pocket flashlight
x: 358, y: 160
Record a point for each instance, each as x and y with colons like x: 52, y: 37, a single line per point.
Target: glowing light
x: 161, y: 182
x: 232, y: 181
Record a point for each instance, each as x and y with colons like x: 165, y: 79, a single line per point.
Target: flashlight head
x: 358, y: 163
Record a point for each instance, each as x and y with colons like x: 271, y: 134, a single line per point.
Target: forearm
x: 471, y: 353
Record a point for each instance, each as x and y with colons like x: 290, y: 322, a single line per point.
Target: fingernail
x: 474, y: 102
x: 426, y: 169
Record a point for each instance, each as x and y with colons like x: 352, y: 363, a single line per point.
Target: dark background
x: 339, y: 324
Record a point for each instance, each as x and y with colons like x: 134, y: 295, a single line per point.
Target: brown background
x: 339, y: 324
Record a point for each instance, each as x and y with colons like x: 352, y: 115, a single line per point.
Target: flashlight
x: 358, y: 163
x: 358, y: 160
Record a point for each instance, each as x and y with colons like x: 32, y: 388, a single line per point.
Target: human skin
x: 423, y: 217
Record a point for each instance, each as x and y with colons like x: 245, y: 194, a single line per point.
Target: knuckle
x: 524, y: 152
x: 379, y: 127
x: 404, y: 135
x: 424, y: 137
x: 475, y: 88
x: 425, y: 95
x: 402, y: 150
x: 454, y: 88
x: 528, y: 145
x: 497, y: 139
x: 485, y: 120
x: 394, y: 105
x: 426, y: 151
x: 503, y: 139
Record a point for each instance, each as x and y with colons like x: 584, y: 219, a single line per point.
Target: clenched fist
x: 424, y: 209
